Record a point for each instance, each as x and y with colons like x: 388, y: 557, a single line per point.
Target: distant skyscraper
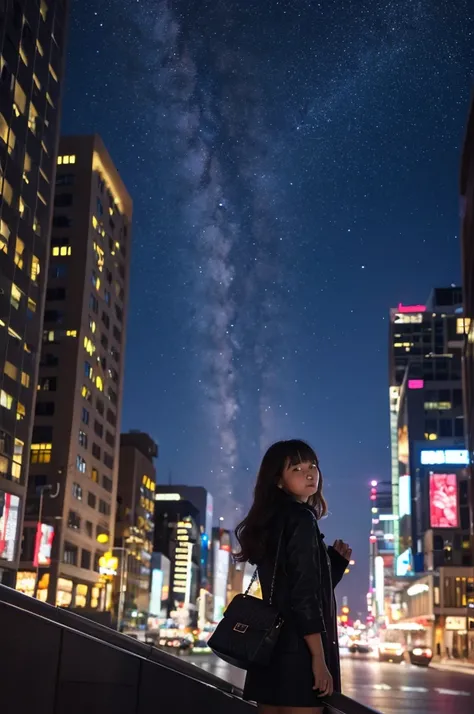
x: 32, y: 48
x: 135, y: 524
x: 75, y: 443
x: 467, y: 227
x: 427, y: 428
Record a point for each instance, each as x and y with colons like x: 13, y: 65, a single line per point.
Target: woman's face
x: 300, y: 480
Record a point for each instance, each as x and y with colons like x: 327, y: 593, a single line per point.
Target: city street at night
x: 388, y: 688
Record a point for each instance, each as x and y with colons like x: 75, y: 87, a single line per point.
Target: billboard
x: 9, y: 511
x: 444, y: 511
x: 43, y: 545
x: 441, y: 457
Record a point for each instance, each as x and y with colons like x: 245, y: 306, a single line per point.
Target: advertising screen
x: 43, y: 544
x: 9, y: 507
x: 444, y: 512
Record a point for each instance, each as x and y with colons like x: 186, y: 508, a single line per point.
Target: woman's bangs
x: 299, y: 452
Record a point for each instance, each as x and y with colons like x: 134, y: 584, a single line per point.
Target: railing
x: 56, y: 662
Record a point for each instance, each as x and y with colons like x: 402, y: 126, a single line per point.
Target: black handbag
x: 249, y: 630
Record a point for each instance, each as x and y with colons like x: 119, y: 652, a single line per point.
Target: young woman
x: 288, y: 502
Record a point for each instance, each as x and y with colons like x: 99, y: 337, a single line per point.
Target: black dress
x: 307, y: 573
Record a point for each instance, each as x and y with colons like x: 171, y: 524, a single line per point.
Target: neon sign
x: 406, y: 309
x: 416, y: 384
x: 452, y: 457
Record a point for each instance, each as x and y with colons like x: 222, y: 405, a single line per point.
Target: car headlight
x: 417, y: 651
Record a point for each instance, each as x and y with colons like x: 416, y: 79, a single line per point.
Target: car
x: 359, y: 648
x: 421, y: 656
x: 391, y: 652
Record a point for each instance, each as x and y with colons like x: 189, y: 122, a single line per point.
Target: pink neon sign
x: 411, y: 308
x: 416, y: 384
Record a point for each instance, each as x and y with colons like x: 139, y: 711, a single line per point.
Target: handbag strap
x: 255, y: 573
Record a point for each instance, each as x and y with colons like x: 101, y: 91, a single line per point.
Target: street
x: 388, y: 688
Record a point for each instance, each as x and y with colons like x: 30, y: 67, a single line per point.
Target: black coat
x: 306, y: 575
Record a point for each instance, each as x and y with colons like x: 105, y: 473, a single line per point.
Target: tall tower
x: 32, y: 48
x: 76, y: 435
x: 427, y: 422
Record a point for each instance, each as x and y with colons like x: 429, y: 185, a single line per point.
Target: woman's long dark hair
x: 252, y: 533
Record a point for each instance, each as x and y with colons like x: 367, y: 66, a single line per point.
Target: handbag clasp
x: 240, y: 628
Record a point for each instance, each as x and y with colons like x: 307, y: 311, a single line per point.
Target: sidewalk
x: 453, y: 665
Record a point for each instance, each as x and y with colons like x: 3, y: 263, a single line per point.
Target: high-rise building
x: 467, y: 242
x: 134, y: 527
x: 177, y: 537
x: 74, y: 462
x: 428, y: 448
x: 203, y: 501
x: 32, y: 49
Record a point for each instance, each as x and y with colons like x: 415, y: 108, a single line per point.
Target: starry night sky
x: 294, y: 171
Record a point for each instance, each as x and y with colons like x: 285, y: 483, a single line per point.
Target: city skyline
x: 351, y: 160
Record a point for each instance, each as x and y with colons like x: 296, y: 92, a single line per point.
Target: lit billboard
x: 441, y: 457
x: 444, y: 511
x: 43, y: 545
x: 9, y: 512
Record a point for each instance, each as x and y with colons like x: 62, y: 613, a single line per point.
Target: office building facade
x: 178, y: 539
x: 467, y: 245
x: 134, y: 529
x: 427, y: 422
x: 32, y: 49
x: 74, y: 462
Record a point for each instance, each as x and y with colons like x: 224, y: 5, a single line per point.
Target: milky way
x: 294, y: 167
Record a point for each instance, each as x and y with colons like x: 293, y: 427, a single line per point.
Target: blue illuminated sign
x: 448, y: 457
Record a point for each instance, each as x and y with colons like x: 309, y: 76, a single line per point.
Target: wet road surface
x: 388, y: 688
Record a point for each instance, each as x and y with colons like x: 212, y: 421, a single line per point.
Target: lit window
x: 31, y: 305
x: 95, y: 475
x: 7, y: 134
x: 92, y: 326
x: 37, y: 82
x: 23, y: 54
x: 32, y: 117
x: 42, y: 198
x: 39, y: 48
x: 43, y: 10
x: 49, y: 336
x: 15, y: 296
x: 49, y: 100
x: 19, y: 250
x: 14, y: 334
x: 89, y: 346
x: 81, y: 464
x: 53, y: 73
x: 435, y: 406
x: 462, y: 325
x: 19, y: 99
x: 95, y: 222
x: 99, y: 383
x: 35, y: 268
x: 45, y: 148
x: 62, y: 250
x: 99, y: 254
x: 71, y: 333
x: 86, y: 393
x: 67, y: 159
x: 17, y: 459
x: 21, y: 206
x: 20, y: 411
x: 25, y: 379
x: 6, y: 400
x: 41, y: 453
x: 10, y: 370
x: 4, y: 236
x: 7, y: 192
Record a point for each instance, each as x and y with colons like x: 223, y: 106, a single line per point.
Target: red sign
x: 43, y: 544
x: 407, y: 309
x: 444, y: 511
